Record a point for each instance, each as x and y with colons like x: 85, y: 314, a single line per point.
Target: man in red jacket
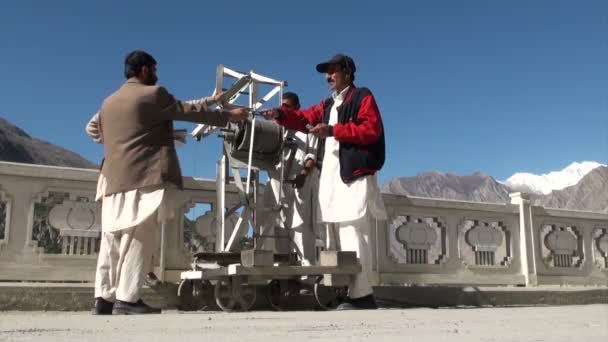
x: 351, y: 151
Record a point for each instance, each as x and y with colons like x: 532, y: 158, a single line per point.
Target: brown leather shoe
x: 137, y: 308
x: 102, y: 307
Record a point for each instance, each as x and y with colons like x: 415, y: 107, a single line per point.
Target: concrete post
x: 527, y: 247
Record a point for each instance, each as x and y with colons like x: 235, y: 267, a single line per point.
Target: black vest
x: 355, y: 160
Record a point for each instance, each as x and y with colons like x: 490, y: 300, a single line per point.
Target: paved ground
x: 561, y: 323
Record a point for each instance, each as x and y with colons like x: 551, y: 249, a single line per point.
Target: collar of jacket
x: 133, y: 80
x: 342, y: 94
x: 348, y: 96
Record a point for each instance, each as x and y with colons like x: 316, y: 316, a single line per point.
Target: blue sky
x: 463, y: 86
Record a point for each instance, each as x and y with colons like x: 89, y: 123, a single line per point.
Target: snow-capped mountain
x: 556, y: 180
x: 590, y: 191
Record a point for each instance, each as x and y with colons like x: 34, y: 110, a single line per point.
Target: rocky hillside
x: 476, y: 187
x: 18, y: 146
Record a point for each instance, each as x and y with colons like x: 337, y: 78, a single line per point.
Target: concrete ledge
x: 54, y: 297
x: 79, y: 297
x: 445, y: 296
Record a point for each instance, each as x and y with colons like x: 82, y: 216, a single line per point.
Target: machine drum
x: 268, y: 138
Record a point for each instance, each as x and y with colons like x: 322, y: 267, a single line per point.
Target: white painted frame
x: 249, y: 81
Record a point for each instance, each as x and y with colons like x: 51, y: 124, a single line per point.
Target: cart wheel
x: 190, y: 294
x: 280, y: 294
x: 232, y: 294
x: 329, y: 297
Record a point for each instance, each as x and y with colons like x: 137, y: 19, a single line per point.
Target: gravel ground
x: 559, y: 323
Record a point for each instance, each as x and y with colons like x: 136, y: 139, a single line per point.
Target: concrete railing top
x: 47, y: 171
x: 196, y: 184
x: 569, y: 213
x: 391, y: 200
x: 88, y: 175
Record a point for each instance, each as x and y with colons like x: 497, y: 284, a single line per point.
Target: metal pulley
x: 267, y: 145
x: 269, y: 138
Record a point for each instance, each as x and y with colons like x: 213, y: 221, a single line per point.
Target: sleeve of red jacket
x: 298, y: 119
x: 366, y: 130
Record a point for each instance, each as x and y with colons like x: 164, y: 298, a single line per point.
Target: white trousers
x: 125, y: 257
x: 295, y: 228
x: 305, y: 228
x: 354, y: 236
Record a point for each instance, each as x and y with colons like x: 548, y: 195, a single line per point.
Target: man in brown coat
x: 142, y: 174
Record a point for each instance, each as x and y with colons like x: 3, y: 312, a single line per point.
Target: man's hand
x: 300, y: 179
x: 238, y: 114
x: 271, y: 114
x: 322, y: 130
x: 217, y: 97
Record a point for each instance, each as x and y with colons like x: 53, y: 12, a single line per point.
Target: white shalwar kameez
x: 129, y: 224
x: 350, y: 210
x: 297, y: 220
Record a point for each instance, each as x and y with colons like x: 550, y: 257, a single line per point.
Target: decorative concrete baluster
x: 527, y: 247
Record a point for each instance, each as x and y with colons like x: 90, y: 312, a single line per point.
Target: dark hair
x: 349, y: 68
x: 135, y: 61
x: 351, y: 73
x: 292, y: 96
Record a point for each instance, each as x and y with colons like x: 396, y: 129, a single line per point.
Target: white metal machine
x: 230, y: 272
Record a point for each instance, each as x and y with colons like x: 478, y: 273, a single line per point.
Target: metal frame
x: 244, y: 84
x: 235, y: 283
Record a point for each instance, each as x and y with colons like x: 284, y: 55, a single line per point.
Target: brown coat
x: 137, y: 132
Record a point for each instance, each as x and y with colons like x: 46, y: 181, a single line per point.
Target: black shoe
x: 102, y: 307
x: 363, y: 303
x: 306, y: 292
x: 138, y: 308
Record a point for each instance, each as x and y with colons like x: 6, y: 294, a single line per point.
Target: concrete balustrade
x: 50, y: 227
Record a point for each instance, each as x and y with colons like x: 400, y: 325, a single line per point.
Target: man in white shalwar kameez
x: 139, y: 177
x: 296, y: 221
x: 351, y: 152
x: 109, y: 267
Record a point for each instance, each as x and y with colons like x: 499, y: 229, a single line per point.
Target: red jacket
x: 359, y: 131
x: 366, y: 130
